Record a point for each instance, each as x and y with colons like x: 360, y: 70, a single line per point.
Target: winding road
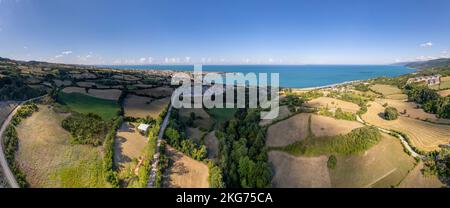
x: 155, y: 161
x: 402, y: 139
x: 4, y: 163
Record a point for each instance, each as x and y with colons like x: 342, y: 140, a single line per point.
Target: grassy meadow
x: 49, y: 159
x: 107, y: 109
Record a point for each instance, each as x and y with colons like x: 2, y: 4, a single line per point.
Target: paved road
x: 155, y: 161
x: 6, y: 170
x: 402, y: 139
x: 4, y: 163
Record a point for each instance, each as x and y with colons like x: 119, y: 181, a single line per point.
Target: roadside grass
x: 107, y: 109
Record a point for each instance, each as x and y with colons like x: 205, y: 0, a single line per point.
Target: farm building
x: 430, y: 80
x: 143, y: 128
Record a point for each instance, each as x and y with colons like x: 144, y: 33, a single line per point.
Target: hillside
x: 444, y: 62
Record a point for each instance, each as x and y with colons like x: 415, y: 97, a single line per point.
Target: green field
x: 222, y: 114
x: 385, y: 89
x: 87, y: 172
x: 107, y: 109
x: 445, y: 85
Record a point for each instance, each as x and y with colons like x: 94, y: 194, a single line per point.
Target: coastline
x: 298, y: 77
x: 325, y: 86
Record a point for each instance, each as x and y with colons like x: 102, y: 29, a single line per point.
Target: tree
x: 332, y: 161
x: 215, y: 177
x: 390, y: 113
x: 173, y: 137
x: 438, y: 163
x: 242, y: 152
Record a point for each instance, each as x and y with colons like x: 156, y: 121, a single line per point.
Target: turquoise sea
x: 297, y: 76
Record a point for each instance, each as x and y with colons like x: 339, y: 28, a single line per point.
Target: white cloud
x: 188, y: 59
x: 25, y: 47
x: 426, y: 45
x: 444, y: 54
x: 142, y: 60
x: 58, y: 56
x: 66, y: 52
x: 425, y: 58
x: 150, y: 60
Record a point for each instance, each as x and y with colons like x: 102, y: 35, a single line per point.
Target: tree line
x: 429, y: 99
x: 108, y: 159
x: 357, y: 141
x: 242, y: 152
x: 14, y: 88
x: 176, y: 137
x: 438, y: 163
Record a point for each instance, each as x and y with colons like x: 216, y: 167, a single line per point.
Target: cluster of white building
x: 430, y: 80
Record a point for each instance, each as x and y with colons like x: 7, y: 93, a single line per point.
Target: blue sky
x: 225, y: 31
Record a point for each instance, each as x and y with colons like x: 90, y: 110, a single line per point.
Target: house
x: 143, y: 128
x: 429, y: 80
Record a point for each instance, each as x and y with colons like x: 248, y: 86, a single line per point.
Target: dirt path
x: 402, y: 139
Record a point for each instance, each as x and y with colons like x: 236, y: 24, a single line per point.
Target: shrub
x: 86, y: 128
x: 390, y: 113
x: 108, y: 161
x: 23, y: 112
x: 438, y: 163
x: 215, y: 177
x: 332, y: 162
x: 340, y: 114
x: 358, y: 140
x: 362, y: 87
